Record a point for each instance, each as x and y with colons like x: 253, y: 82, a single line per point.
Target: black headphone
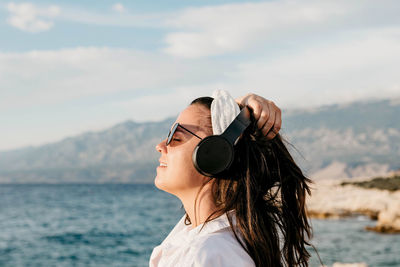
x: 214, y: 154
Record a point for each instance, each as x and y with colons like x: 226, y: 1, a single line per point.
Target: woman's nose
x: 161, y: 146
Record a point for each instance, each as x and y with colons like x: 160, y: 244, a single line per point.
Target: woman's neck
x: 204, y: 205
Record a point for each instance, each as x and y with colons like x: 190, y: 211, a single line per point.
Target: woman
x: 253, y: 214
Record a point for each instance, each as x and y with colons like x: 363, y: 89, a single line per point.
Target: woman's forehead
x: 195, y: 116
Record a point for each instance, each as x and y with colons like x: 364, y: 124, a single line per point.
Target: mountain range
x: 336, y: 141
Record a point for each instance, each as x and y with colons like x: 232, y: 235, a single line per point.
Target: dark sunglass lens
x: 171, y: 133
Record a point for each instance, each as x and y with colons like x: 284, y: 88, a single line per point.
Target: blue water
x: 118, y: 225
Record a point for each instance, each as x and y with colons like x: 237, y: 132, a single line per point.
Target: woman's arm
x: 267, y: 114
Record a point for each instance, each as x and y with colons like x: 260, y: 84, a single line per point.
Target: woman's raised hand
x: 267, y: 114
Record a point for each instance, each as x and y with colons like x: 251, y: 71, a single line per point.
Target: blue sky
x: 67, y: 67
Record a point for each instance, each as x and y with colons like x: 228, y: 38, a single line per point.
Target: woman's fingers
x: 276, y: 124
x: 257, y: 109
x: 273, y: 125
x: 268, y: 125
x: 266, y: 113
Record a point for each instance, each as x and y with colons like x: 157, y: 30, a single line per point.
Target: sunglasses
x: 173, y: 130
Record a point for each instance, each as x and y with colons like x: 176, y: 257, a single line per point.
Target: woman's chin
x: 159, y: 183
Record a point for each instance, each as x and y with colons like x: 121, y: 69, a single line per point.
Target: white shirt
x: 215, y: 245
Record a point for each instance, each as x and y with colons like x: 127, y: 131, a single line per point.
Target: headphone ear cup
x: 213, y: 155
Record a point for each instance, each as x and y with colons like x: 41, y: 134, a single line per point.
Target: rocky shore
x: 353, y: 197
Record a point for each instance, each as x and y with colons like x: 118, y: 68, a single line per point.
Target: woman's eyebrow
x: 190, y: 127
x: 179, y: 130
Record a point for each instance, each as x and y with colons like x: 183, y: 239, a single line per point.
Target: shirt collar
x: 184, y: 233
x: 212, y: 226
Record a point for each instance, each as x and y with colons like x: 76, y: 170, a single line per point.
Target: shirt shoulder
x: 220, y: 249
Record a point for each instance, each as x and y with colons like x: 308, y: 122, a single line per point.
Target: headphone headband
x: 237, y: 126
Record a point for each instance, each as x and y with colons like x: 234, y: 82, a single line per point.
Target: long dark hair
x: 267, y: 191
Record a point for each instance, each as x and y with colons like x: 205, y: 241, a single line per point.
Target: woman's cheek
x: 184, y: 172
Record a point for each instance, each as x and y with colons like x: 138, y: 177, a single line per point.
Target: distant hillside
x: 358, y: 139
x: 123, y: 153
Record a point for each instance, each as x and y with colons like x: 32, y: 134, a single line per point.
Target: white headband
x: 224, y: 110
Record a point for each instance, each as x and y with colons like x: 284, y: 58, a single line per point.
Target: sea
x: 119, y: 224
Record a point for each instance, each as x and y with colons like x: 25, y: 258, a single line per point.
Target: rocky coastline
x: 372, y: 197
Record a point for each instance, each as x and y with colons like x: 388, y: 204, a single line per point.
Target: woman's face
x: 179, y: 176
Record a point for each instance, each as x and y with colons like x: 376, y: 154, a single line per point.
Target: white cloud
x: 80, y: 89
x: 28, y: 17
x: 216, y: 30
x: 89, y: 88
x: 220, y: 29
x: 49, y: 77
x: 118, y: 18
x: 342, y: 71
x: 118, y: 7
x: 42, y: 88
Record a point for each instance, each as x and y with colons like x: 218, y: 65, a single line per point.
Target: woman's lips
x: 163, y: 164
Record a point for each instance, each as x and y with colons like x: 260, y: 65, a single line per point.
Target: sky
x: 68, y: 67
